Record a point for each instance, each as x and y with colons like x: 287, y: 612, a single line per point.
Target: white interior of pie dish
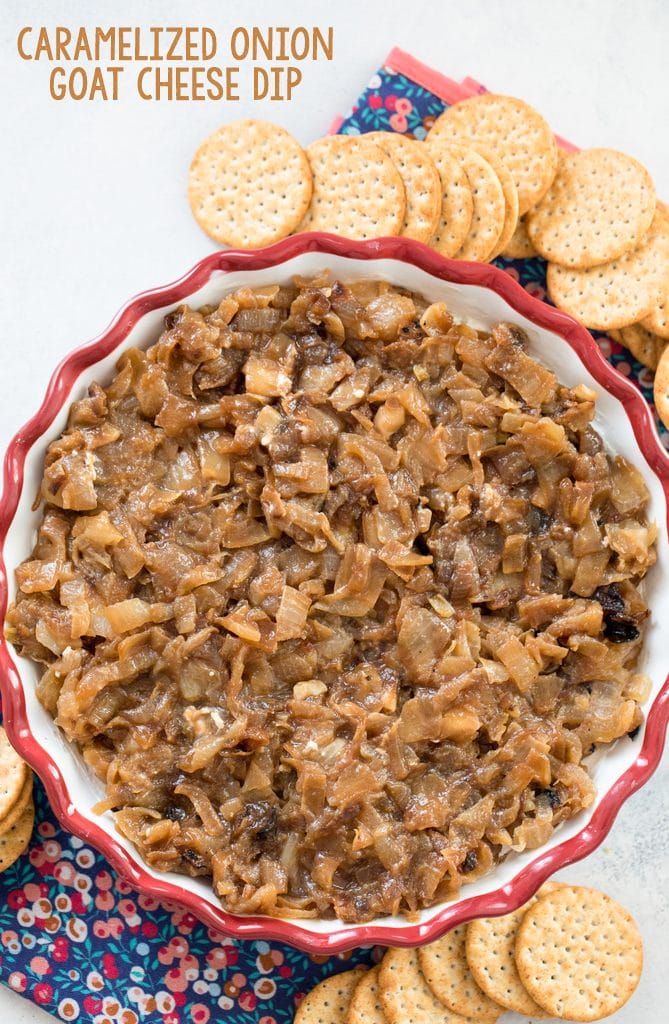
x: 477, y: 306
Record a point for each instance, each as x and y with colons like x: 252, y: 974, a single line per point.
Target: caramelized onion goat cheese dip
x: 335, y: 595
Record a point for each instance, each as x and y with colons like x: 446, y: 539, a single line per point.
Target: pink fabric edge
x: 399, y: 60
x: 447, y: 89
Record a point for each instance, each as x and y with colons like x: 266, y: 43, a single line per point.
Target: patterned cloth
x: 74, y: 937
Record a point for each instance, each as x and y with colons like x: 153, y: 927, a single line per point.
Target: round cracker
x: 249, y: 184
x: 514, y: 130
x: 406, y: 997
x: 599, y: 206
x: 519, y: 246
x: 490, y: 950
x: 365, y: 1006
x: 457, y: 203
x: 579, y: 954
x: 644, y: 345
x: 446, y: 971
x: 13, y: 772
x: 329, y: 1001
x: 488, y: 198
x: 657, y: 320
x: 15, y: 840
x: 618, y: 293
x: 661, y: 387
x: 510, y: 193
x: 19, y: 807
x: 357, y: 190
x: 421, y: 183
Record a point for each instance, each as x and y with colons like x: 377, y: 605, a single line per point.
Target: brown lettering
x: 57, y: 86
x: 19, y: 43
x: 326, y: 46
x: 208, y: 35
x: 300, y: 34
x: 216, y: 90
x: 260, y: 83
x: 102, y: 37
x: 124, y: 43
x: 140, y: 83
x: 171, y: 50
x: 239, y: 43
x: 232, y: 83
x: 63, y: 40
x: 293, y: 79
x: 82, y: 46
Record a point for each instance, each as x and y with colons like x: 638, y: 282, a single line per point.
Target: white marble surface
x: 93, y: 210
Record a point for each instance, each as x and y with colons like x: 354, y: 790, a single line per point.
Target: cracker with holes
x: 519, y: 246
x: 249, y: 184
x: 643, y: 344
x: 445, y: 968
x: 619, y: 293
x: 599, y: 206
x: 16, y: 810
x: 657, y: 320
x: 13, y: 774
x: 579, y: 954
x: 406, y: 997
x: 365, y: 1006
x: 490, y: 950
x: 14, y: 842
x: 661, y: 387
x: 421, y: 183
x: 489, y: 207
x: 329, y: 1001
x: 510, y: 193
x: 511, y: 128
x: 358, y: 191
x: 457, y: 204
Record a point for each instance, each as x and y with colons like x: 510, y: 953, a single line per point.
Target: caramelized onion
x: 336, y: 595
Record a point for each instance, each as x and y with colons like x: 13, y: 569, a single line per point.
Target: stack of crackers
x: 489, y: 180
x: 252, y: 184
x: 570, y: 953
x: 17, y: 811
